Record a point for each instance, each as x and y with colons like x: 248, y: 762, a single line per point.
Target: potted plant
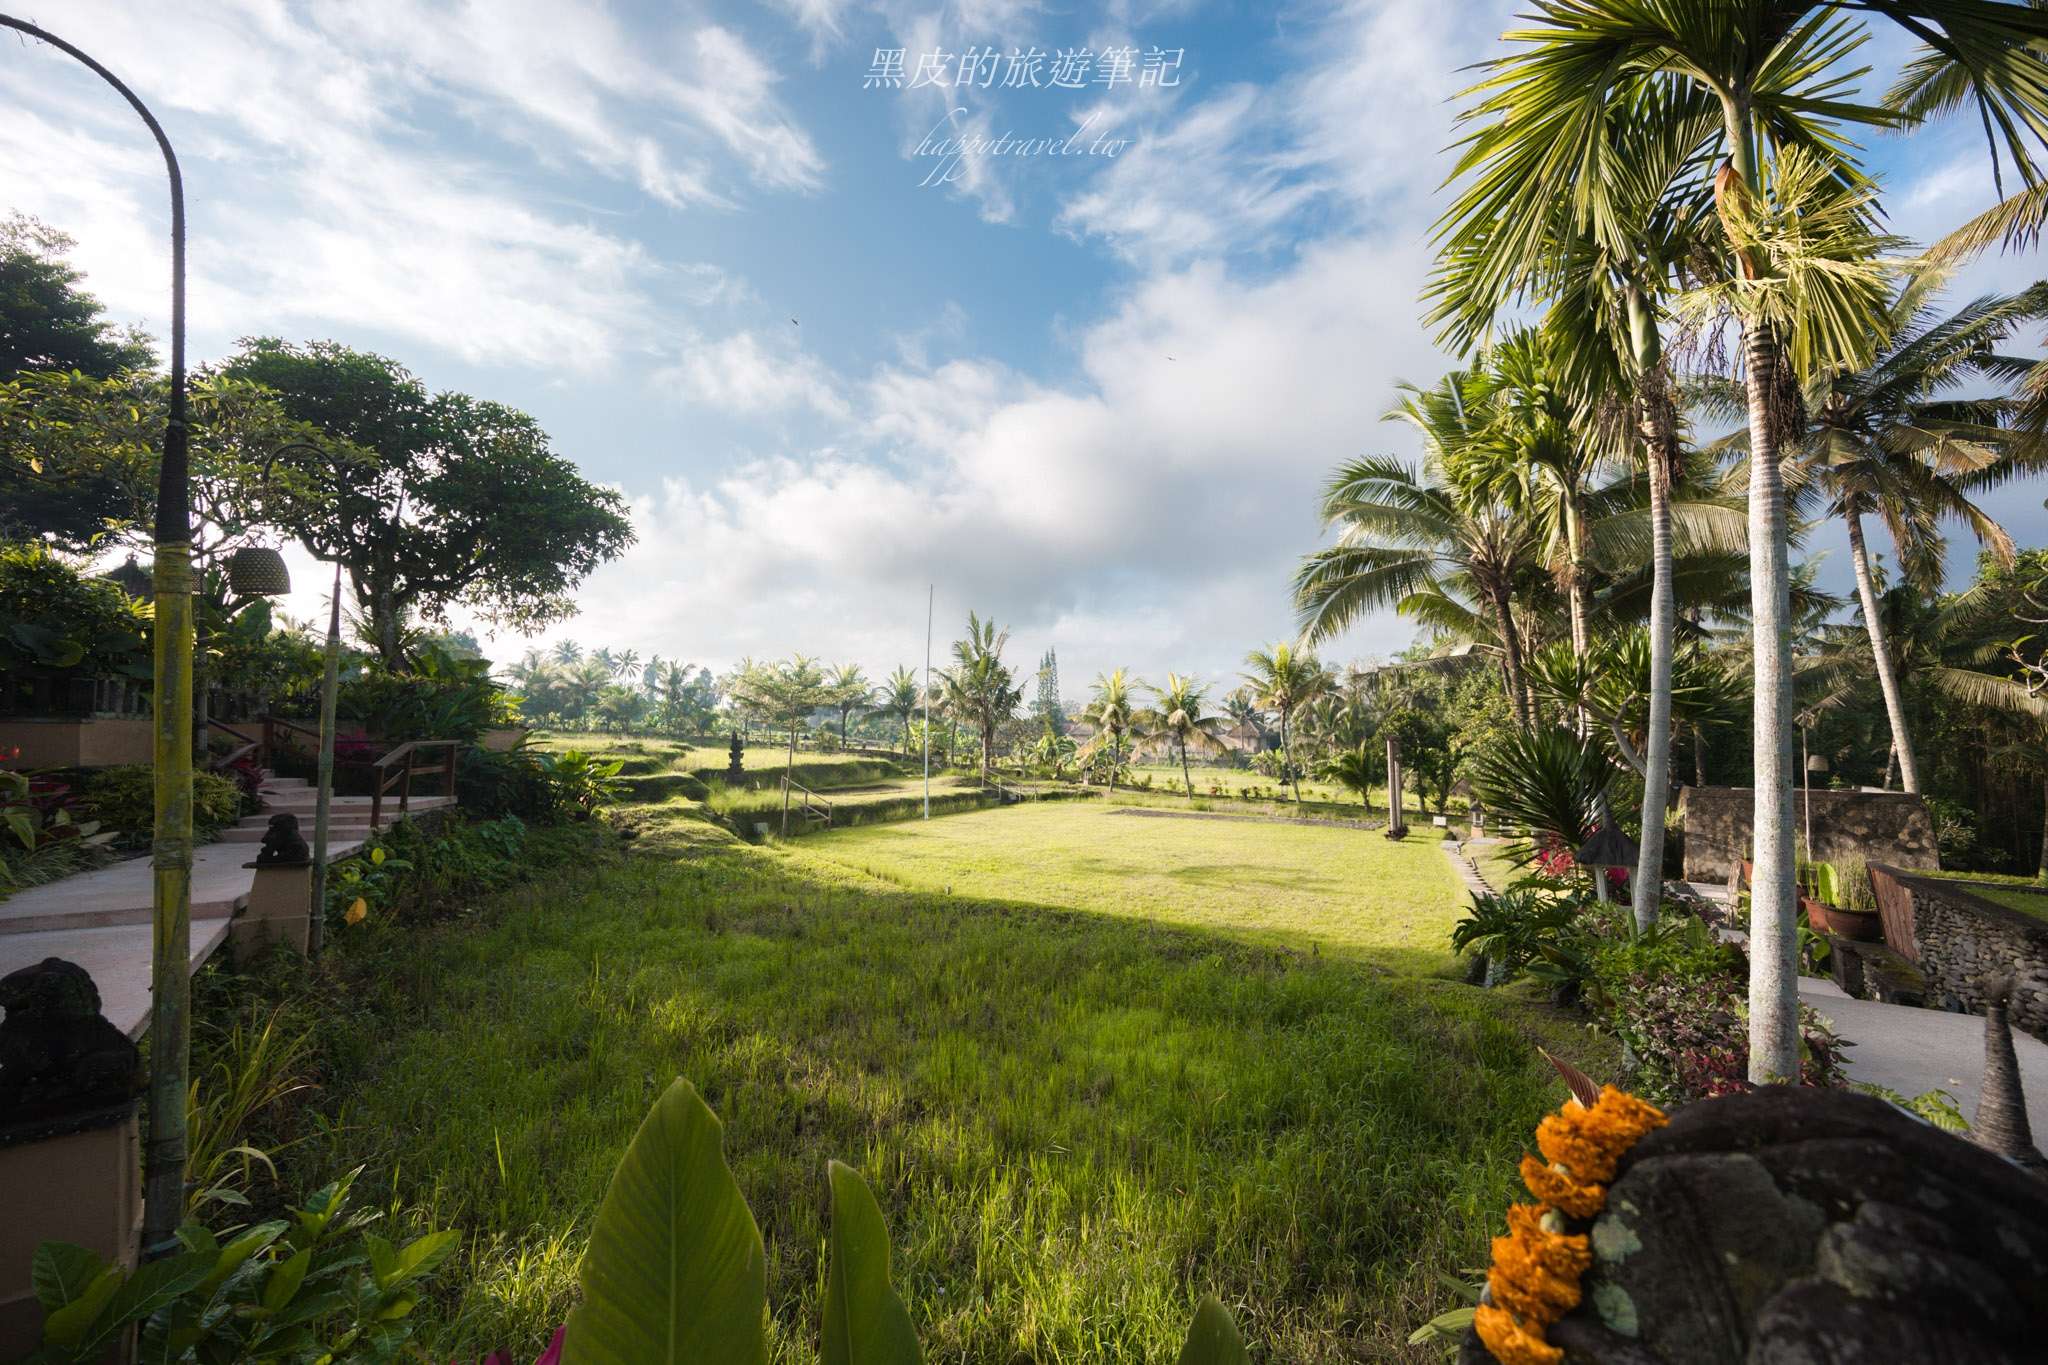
x: 1842, y: 902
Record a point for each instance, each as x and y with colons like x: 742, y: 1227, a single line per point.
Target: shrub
x: 1549, y: 780
x: 54, y: 619
x: 443, y: 697
x: 124, y: 800
x: 39, y: 841
x: 318, y: 1286
x: 1690, y: 1038
x: 512, y: 782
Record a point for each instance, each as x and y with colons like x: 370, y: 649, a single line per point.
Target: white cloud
x: 743, y: 374
x: 317, y: 199
x: 1148, y: 514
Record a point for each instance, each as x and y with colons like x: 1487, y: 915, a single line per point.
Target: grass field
x: 1335, y: 890
x: 1093, y: 1064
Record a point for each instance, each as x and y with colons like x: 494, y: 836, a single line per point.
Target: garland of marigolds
x: 1534, y: 1280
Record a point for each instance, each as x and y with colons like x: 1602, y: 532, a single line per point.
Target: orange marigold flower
x: 1588, y: 1142
x: 1556, y: 1252
x: 1510, y: 1342
x: 1559, y: 1190
x: 1534, y: 1297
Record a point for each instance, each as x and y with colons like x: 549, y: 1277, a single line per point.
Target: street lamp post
x: 170, y: 1022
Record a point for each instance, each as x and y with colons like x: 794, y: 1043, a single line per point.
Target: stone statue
x: 1821, y: 1227
x: 735, y: 770
x: 282, y: 844
x: 60, y: 1059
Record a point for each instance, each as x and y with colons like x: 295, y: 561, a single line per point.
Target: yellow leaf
x: 356, y: 911
x: 377, y: 856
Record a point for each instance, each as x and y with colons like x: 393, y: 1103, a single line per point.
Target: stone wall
x: 1882, y: 827
x: 1962, y: 941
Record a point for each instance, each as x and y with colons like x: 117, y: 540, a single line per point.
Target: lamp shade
x: 1817, y: 763
x: 258, y: 571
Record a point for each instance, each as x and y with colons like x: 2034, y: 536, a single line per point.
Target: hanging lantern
x: 258, y: 571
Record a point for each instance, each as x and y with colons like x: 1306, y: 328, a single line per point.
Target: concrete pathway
x: 1913, y: 1051
x: 1906, y: 1050
x: 101, y: 919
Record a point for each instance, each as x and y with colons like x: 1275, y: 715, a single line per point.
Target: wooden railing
x: 394, y: 772
x: 810, y: 805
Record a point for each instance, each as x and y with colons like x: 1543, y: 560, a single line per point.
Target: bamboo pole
x: 330, y: 687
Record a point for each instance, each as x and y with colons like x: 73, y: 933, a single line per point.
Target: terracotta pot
x: 1860, y: 926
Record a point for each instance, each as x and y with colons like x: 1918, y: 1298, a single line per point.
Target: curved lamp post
x: 170, y: 1020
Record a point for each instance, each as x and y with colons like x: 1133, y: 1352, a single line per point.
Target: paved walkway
x: 1907, y: 1050
x: 1913, y: 1051
x: 101, y: 919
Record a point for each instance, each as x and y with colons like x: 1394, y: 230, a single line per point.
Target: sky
x: 1071, y: 344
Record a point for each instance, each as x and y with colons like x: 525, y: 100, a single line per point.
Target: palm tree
x: 1887, y: 441
x: 1181, y: 715
x: 787, y: 691
x: 1284, y: 680
x: 1409, y: 540
x: 901, y: 695
x: 979, y: 687
x: 568, y: 652
x: 625, y: 664
x: 1354, y: 769
x: 1777, y: 73
x: 1116, y: 719
x: 1245, y: 714
x: 650, y: 676
x: 851, y: 692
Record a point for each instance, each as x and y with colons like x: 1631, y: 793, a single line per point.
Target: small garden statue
x: 283, y: 846
x: 735, y: 769
x: 61, y: 1061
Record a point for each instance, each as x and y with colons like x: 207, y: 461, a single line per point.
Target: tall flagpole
x: 930, y: 593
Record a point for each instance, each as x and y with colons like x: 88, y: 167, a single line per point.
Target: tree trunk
x: 1773, y: 933
x: 1699, y: 757
x: 387, y: 628
x: 1880, y: 649
x: 1660, y: 435
x: 1575, y: 533
x: 2043, y: 866
x: 1511, y: 652
x: 1287, y: 757
x: 1185, y: 775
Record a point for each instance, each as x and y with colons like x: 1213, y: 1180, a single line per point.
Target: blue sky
x: 1091, y: 393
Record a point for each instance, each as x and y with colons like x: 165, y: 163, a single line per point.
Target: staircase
x: 348, y: 817
x: 101, y: 919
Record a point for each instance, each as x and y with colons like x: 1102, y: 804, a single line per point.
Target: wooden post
x: 1397, y: 815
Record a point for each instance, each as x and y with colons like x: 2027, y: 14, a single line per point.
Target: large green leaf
x: 865, y: 1323
x: 675, y: 1273
x: 1212, y: 1337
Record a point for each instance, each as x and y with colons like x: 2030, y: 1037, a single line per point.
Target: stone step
x: 253, y: 834
x: 303, y: 804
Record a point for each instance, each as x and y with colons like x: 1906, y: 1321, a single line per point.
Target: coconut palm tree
x: 851, y: 692
x: 1245, y: 714
x: 901, y: 695
x: 1891, y: 442
x: 1181, y: 714
x: 650, y: 676
x: 1112, y: 710
x: 625, y: 665
x: 568, y: 652
x: 1407, y: 538
x: 980, y: 688
x: 1778, y: 73
x: 1284, y: 680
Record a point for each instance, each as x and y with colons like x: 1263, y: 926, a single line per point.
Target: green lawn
x: 1092, y: 1064
x: 1346, y: 891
